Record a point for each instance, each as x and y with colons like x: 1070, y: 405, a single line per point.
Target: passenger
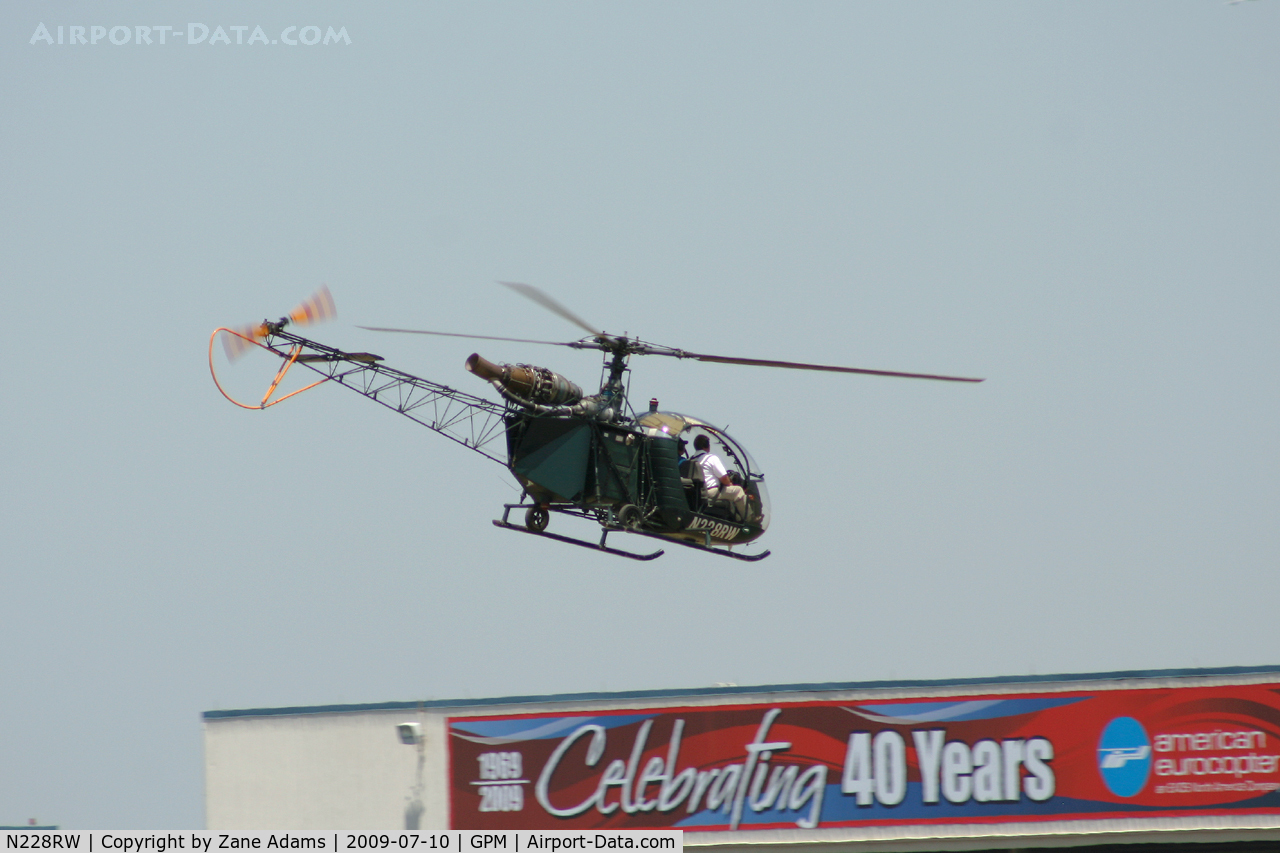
x: 715, y: 478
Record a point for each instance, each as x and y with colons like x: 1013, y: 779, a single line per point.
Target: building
x: 1169, y: 757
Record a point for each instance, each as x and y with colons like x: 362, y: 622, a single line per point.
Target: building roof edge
x: 735, y: 690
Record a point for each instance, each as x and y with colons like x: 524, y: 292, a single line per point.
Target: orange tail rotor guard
x: 267, y: 402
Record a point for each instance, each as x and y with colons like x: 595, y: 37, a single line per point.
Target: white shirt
x: 712, y: 470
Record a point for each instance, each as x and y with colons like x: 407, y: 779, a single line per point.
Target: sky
x: 1076, y: 201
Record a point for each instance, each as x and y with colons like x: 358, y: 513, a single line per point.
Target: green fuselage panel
x: 616, y: 466
x: 553, y: 453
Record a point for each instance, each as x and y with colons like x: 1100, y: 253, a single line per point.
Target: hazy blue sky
x: 1075, y: 200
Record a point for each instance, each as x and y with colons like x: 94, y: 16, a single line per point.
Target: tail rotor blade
x: 240, y: 340
x: 315, y: 309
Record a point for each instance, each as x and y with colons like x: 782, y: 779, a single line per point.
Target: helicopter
x: 574, y: 454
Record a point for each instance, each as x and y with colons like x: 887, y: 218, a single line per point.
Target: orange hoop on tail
x: 267, y: 402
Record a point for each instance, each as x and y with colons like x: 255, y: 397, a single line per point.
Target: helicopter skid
x: 750, y: 558
x: 579, y: 542
x: 719, y: 552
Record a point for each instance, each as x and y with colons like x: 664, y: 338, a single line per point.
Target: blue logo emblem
x: 1124, y: 756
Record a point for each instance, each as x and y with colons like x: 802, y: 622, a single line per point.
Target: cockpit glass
x: 741, y: 467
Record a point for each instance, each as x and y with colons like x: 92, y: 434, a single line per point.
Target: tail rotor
x: 316, y: 308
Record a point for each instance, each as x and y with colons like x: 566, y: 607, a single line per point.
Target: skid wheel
x: 536, y: 518
x: 629, y: 515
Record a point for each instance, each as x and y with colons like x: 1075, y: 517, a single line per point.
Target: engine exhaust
x: 526, y: 383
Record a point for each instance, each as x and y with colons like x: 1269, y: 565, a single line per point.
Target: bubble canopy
x: 686, y: 428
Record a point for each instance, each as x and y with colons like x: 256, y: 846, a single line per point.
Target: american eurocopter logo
x: 1124, y: 756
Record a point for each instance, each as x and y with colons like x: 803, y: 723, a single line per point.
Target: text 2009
x: 406, y: 841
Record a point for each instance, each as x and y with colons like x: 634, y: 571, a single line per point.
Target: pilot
x: 715, y: 479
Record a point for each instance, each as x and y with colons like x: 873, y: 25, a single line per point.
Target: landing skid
x: 608, y: 528
x: 719, y: 552
x: 579, y: 542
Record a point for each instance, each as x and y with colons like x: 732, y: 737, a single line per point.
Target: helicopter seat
x: 695, y: 491
x: 721, y: 506
x: 720, y: 509
x: 691, y: 484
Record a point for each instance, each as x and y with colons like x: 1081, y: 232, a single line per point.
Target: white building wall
x: 324, y: 771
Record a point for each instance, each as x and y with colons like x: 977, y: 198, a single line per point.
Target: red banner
x: 975, y: 759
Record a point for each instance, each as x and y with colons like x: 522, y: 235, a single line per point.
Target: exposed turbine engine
x: 526, y: 384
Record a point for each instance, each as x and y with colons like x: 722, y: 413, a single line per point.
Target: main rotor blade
x: 459, y: 335
x: 795, y: 365
x: 531, y: 292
